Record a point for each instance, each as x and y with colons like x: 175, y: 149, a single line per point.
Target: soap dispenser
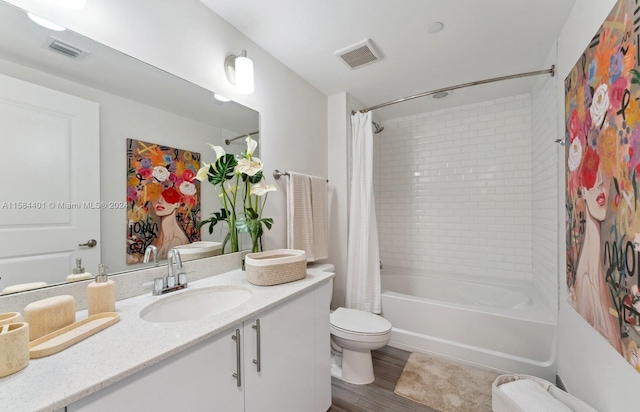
x: 78, y: 273
x: 101, y: 293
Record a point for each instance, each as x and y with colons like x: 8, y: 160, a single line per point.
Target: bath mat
x: 445, y: 386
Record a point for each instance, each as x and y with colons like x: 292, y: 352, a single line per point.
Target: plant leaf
x: 242, y: 225
x: 222, y: 170
x: 253, y: 179
x: 220, y: 216
x: 268, y: 222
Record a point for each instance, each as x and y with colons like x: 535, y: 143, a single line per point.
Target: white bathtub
x: 504, y: 329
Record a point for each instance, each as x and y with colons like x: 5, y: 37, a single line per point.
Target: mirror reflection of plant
x: 246, y: 174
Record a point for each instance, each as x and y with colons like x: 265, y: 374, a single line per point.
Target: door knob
x: 90, y: 243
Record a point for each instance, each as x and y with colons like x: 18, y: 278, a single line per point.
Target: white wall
x: 186, y: 38
x: 339, y: 125
x: 590, y: 367
x: 455, y: 190
x: 340, y: 107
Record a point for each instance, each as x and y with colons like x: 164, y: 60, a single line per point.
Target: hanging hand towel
x: 319, y: 205
x: 300, y: 215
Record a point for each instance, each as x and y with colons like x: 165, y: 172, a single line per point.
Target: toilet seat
x: 358, y: 323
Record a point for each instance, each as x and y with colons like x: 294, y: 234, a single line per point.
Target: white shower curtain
x: 363, y: 261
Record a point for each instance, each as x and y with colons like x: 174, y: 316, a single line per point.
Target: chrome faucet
x: 147, y: 254
x: 174, y: 281
x: 173, y: 257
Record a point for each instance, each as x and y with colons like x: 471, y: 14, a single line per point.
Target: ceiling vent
x: 65, y: 48
x: 359, y: 54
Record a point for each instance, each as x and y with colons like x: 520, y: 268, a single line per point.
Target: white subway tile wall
x: 454, y: 190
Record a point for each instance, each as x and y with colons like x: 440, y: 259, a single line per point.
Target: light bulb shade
x: 45, y: 23
x: 221, y: 98
x: 244, y: 74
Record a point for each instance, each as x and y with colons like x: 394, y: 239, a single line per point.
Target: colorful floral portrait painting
x: 602, y: 123
x: 163, y: 198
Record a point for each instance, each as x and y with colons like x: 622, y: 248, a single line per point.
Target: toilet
x: 354, y: 334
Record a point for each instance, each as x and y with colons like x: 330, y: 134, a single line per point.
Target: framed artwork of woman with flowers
x: 602, y: 120
x: 163, y: 198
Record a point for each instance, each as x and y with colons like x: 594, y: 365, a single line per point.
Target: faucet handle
x: 182, y: 278
x: 178, y: 258
x: 173, y: 256
x: 158, y: 285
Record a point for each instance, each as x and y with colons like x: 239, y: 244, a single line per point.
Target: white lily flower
x: 261, y: 188
x: 218, y: 149
x: 251, y: 145
x: 203, y: 172
x: 249, y: 166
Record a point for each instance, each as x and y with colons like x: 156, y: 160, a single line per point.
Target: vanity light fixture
x: 45, y: 23
x: 221, y: 98
x: 239, y: 70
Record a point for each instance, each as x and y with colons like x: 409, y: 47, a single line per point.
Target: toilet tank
x: 324, y: 267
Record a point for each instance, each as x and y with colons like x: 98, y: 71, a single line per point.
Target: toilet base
x: 356, y: 367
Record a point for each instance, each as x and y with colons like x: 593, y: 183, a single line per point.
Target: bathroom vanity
x: 209, y: 363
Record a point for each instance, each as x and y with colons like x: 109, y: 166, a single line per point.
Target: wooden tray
x: 61, y: 339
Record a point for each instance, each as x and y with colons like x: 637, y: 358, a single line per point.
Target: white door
x: 50, y: 192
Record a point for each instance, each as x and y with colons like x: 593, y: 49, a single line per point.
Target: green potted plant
x: 242, y: 190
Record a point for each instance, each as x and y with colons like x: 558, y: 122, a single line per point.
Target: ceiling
x: 104, y: 68
x: 480, y: 40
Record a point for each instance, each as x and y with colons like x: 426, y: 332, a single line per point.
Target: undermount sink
x: 195, y: 304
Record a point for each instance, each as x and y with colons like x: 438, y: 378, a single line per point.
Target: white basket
x: 500, y: 402
x: 275, y: 267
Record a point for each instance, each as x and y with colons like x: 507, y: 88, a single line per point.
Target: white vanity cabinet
x: 197, y: 379
x: 294, y: 360
x: 287, y: 356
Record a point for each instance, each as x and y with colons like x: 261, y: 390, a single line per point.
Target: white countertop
x: 132, y: 344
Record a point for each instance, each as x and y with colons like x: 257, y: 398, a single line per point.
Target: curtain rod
x: 550, y: 71
x: 228, y: 141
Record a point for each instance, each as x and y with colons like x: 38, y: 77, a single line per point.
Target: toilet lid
x: 359, y: 321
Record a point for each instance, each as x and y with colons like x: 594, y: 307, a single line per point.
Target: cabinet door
x: 197, y: 379
x: 323, y: 347
x: 286, y: 380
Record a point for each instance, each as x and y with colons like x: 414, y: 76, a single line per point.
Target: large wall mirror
x: 68, y: 106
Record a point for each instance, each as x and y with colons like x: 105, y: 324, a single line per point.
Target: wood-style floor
x: 377, y: 396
